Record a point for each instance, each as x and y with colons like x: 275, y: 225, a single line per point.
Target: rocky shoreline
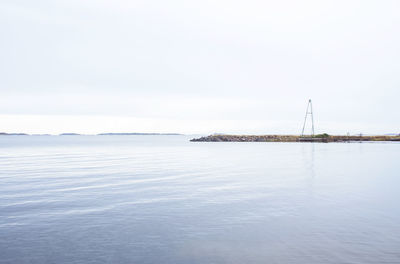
x: 325, y: 138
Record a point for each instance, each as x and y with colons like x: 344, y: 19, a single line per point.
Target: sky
x: 199, y: 67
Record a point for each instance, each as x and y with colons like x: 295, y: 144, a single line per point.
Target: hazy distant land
x: 13, y: 134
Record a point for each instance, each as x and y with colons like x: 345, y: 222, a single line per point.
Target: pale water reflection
x: 163, y: 199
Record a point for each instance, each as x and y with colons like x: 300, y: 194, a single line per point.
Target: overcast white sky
x: 91, y: 66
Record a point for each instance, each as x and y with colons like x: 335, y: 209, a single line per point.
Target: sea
x: 164, y: 199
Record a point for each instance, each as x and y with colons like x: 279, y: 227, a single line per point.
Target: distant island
x: 12, y: 134
x: 293, y: 138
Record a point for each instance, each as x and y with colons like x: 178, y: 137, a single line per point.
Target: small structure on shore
x: 310, y: 138
x: 309, y: 111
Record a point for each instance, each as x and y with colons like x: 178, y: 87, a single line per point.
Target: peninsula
x: 293, y: 138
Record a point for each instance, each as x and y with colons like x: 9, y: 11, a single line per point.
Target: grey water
x: 163, y: 199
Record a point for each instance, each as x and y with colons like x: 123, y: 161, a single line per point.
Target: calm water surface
x: 163, y: 199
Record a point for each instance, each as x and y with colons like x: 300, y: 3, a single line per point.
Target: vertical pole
x: 305, y: 119
x: 309, y: 111
x: 312, y: 118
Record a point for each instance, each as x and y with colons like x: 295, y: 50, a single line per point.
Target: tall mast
x: 309, y: 111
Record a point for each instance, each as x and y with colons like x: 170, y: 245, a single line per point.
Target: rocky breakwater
x: 246, y: 138
x: 325, y: 138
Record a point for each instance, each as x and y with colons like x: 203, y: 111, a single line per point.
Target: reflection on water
x: 163, y: 199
